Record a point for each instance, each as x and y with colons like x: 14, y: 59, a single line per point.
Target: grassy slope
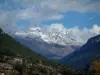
x: 9, y: 46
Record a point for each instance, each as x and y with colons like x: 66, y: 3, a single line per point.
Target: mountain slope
x: 52, y: 50
x: 8, y: 46
x: 36, y: 46
x: 86, y: 54
x: 53, y: 43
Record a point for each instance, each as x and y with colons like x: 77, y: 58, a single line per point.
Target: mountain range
x: 81, y: 57
x: 32, y: 62
x: 54, y: 44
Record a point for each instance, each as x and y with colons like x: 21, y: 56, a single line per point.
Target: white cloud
x: 82, y: 35
x: 74, y: 5
x: 39, y: 10
x: 70, y: 35
x: 52, y: 9
x: 56, y: 17
x: 28, y: 14
x: 7, y: 20
x: 59, y: 27
x: 96, y: 29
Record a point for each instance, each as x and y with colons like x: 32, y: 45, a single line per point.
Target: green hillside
x: 10, y: 47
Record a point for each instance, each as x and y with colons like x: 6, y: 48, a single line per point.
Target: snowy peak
x: 51, y: 35
x: 56, y: 41
x: 96, y: 38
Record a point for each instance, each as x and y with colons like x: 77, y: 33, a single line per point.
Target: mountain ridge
x: 49, y: 50
x: 8, y: 45
x: 86, y: 54
x: 53, y: 42
x: 62, y: 37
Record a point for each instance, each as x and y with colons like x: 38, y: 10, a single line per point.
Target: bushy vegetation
x: 94, y: 68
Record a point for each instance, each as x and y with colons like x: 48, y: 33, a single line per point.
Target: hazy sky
x: 19, y: 15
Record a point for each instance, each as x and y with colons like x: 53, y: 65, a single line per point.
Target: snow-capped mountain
x: 52, y: 43
x: 62, y: 37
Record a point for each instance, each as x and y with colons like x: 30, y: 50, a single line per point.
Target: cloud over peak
x: 59, y: 34
x: 36, y: 11
x: 81, y: 34
x: 96, y: 29
x: 57, y: 26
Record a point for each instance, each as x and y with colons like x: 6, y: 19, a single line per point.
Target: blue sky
x: 72, y: 18
x: 23, y: 14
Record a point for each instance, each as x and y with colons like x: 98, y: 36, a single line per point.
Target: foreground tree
x: 94, y: 68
